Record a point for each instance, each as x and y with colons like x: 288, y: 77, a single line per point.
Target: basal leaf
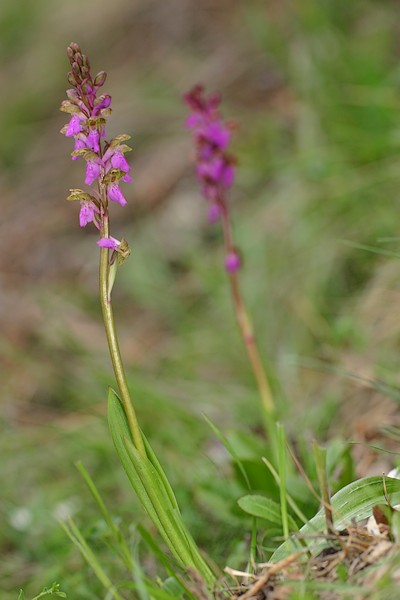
x: 353, y: 502
x: 264, y: 508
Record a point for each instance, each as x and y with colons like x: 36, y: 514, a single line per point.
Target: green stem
x: 112, y: 339
x: 245, y: 325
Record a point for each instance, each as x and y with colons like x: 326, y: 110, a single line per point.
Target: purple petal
x: 127, y: 178
x: 93, y: 171
x: 80, y: 142
x: 118, y: 161
x: 193, y: 120
x: 93, y: 140
x: 74, y: 126
x: 110, y: 242
x: 216, y: 134
x: 115, y: 194
x: 210, y: 171
x: 87, y: 213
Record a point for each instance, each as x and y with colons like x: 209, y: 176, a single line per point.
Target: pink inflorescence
x: 106, y: 165
x: 215, y: 167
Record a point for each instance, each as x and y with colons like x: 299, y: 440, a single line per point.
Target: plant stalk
x: 244, y: 323
x: 113, y: 345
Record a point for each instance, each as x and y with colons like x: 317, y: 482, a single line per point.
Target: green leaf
x: 264, y: 508
x: 119, y: 432
x: 154, y: 491
x: 353, y: 502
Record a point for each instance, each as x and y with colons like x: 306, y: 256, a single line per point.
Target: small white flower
x: 21, y: 518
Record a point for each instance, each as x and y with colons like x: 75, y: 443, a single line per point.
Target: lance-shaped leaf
x: 154, y: 491
x: 353, y: 502
x: 264, y: 508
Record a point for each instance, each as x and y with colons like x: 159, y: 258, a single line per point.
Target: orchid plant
x: 215, y: 171
x: 106, y: 168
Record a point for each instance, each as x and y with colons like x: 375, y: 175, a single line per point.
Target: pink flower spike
x: 87, y: 213
x: 93, y: 171
x: 232, y: 262
x: 115, y: 194
x: 110, y: 243
x: 118, y: 161
x: 74, y: 126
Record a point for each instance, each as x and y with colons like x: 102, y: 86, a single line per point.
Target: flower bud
x: 78, y: 58
x: 76, y: 70
x: 71, y: 79
x: 74, y: 47
x: 232, y: 262
x: 100, y: 78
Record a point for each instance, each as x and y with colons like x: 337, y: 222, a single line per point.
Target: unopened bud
x: 100, y: 78
x: 69, y: 107
x: 232, y: 262
x: 78, y: 58
x: 72, y: 95
x: 71, y: 79
x: 75, y: 47
x: 76, y: 73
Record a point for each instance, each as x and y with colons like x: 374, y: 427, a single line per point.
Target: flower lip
x: 93, y: 171
x: 115, y: 194
x: 74, y: 126
x: 87, y: 213
x: 111, y: 243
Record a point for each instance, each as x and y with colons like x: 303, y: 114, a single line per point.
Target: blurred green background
x: 314, y: 88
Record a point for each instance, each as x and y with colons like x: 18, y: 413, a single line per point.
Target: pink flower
x: 74, y: 126
x: 80, y: 142
x: 115, y: 194
x: 93, y: 171
x: 216, y: 134
x: 87, y: 213
x: 110, y: 243
x: 94, y: 140
x: 127, y: 178
x: 118, y: 161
